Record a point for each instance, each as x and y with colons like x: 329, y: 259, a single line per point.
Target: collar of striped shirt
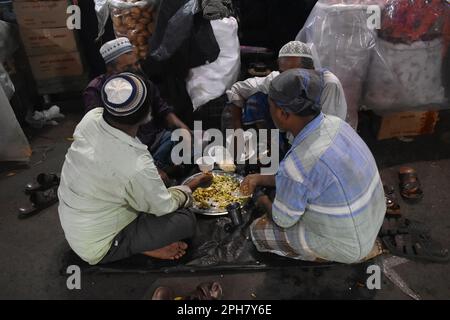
x: 307, y: 130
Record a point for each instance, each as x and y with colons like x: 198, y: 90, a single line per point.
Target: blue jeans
x: 162, y: 149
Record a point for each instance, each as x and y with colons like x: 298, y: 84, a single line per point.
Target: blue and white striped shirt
x: 329, y: 193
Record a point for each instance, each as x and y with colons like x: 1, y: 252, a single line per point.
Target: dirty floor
x: 32, y: 249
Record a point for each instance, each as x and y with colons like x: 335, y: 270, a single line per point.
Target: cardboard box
x: 48, y: 41
x: 59, y: 85
x: 41, y: 14
x: 56, y: 65
x: 406, y: 124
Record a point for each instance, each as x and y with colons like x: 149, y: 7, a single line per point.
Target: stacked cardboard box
x: 50, y: 46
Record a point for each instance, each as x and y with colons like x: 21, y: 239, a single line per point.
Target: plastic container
x: 205, y: 164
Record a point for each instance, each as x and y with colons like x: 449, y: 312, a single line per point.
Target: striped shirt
x: 329, y: 196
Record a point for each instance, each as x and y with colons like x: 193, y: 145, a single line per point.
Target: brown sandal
x: 410, y: 187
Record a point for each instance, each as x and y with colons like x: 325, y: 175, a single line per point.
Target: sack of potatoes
x: 134, y: 19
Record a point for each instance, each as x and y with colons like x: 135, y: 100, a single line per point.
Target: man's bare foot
x: 171, y: 252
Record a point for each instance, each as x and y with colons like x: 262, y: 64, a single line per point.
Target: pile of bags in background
x: 393, y: 67
x: 179, y: 22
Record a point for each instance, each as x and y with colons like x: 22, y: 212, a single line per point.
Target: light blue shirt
x: 329, y: 193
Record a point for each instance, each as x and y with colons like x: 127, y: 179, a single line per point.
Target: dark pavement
x: 32, y: 249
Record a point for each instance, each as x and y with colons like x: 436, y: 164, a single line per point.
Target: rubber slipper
x: 392, y: 206
x: 44, y: 181
x: 396, y: 225
x: 39, y: 200
x: 410, y: 187
x: 416, y: 247
x: 206, y: 291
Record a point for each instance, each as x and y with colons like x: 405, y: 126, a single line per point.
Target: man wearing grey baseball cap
x: 112, y: 201
x: 329, y: 203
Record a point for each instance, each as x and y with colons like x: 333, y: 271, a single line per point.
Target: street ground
x: 32, y: 249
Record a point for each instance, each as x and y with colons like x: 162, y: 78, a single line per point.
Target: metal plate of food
x: 224, y: 189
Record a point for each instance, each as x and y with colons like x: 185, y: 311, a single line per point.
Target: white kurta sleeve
x: 242, y: 90
x: 146, y: 192
x: 333, y: 98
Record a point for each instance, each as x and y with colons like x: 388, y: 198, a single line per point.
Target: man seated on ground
x: 329, y: 202
x: 112, y: 202
x: 120, y: 57
x: 248, y: 98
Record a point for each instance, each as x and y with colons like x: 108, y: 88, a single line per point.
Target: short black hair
x: 307, y: 63
x: 308, y: 112
x: 139, y: 115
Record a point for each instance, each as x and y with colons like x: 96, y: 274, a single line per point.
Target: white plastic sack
x: 13, y: 143
x: 210, y: 81
x: 8, y: 39
x: 6, y: 83
x: 405, y: 76
x: 8, y: 44
x: 343, y: 41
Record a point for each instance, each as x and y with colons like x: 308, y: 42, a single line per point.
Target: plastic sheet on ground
x: 213, y: 249
x: 345, y: 34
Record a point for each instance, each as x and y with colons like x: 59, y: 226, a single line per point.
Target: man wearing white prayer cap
x: 248, y: 98
x: 112, y: 201
x: 119, y: 57
x: 329, y: 200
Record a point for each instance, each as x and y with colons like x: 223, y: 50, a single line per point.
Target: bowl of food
x: 205, y: 164
x: 223, y: 158
x: 224, y: 189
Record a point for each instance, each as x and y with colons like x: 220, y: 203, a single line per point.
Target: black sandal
x: 416, y: 247
x: 410, y: 187
x: 392, y: 206
x: 396, y: 225
x: 39, y: 200
x: 44, y: 181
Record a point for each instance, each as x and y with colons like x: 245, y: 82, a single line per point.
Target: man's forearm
x: 265, y: 203
x: 266, y: 180
x: 236, y: 117
x: 173, y: 122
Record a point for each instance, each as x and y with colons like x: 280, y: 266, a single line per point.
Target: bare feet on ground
x: 171, y: 252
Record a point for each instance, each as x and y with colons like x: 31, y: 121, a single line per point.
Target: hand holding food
x: 204, y: 179
x: 223, y: 191
x: 250, y: 183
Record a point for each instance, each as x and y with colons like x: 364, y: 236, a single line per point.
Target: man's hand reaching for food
x: 252, y: 181
x: 202, y: 180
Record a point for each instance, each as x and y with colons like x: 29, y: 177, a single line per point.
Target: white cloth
x: 210, y: 81
x: 332, y: 100
x: 108, y: 177
x: 13, y: 142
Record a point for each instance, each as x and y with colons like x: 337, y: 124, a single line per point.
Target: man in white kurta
x: 112, y: 201
x: 249, y: 97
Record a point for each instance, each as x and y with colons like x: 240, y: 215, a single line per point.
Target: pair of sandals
x: 410, y: 190
x: 204, y: 291
x: 404, y: 237
x: 43, y: 194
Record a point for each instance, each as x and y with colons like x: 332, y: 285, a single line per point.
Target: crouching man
x: 112, y: 201
x: 329, y: 202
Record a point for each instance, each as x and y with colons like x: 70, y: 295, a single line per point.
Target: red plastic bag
x: 407, y: 21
